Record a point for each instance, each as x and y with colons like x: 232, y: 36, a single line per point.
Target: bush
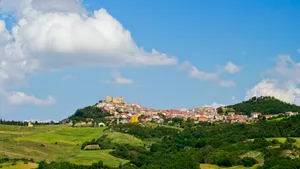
x: 290, y: 140
x: 286, y: 146
x: 25, y: 162
x: 224, y: 162
x: 14, y: 163
x: 248, y: 161
x: 275, y: 141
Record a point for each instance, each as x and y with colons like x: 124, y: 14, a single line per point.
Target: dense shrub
x: 248, y: 161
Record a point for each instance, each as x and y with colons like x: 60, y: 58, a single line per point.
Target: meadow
x: 56, y: 142
x: 19, y: 165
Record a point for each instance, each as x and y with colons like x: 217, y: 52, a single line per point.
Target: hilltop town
x: 122, y: 112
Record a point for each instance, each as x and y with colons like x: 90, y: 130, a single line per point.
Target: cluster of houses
x: 122, y: 112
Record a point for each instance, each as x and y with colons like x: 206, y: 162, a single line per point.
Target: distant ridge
x: 263, y: 104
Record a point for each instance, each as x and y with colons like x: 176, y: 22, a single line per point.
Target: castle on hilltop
x: 115, y: 100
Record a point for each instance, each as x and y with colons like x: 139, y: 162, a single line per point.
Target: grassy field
x: 278, y: 119
x: 61, y: 143
x: 121, y: 138
x: 210, y: 166
x: 254, y: 154
x: 156, y: 125
x: 19, y: 165
x: 89, y: 157
x: 67, y: 135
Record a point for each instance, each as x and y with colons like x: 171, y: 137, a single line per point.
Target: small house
x: 255, y: 114
x: 30, y: 125
x: 231, y: 114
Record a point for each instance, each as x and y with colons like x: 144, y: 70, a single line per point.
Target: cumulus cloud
x: 195, y: 73
x: 282, y: 81
x: 286, y: 69
x: 58, y: 34
x: 59, y: 38
x: 231, y: 68
x: 19, y: 7
x: 20, y: 98
x: 298, y: 50
x: 119, y: 79
x: 5, y: 37
x: 287, y: 92
x: 214, y: 105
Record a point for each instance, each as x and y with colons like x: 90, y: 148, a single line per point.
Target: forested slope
x: 265, y: 105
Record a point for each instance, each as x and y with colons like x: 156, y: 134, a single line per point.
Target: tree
x: 248, y: 161
x: 220, y: 110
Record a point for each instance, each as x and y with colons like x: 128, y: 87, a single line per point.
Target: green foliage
x: 220, y: 110
x: 67, y: 165
x: 248, y: 161
x: 265, y: 105
x: 221, y: 144
x: 275, y: 141
x: 4, y: 160
x: 274, y: 160
x: 92, y: 112
x: 290, y: 140
x: 145, y: 132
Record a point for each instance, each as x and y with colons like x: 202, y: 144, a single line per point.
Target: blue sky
x: 260, y: 38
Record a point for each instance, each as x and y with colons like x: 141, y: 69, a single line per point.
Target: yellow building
x: 134, y: 119
x: 30, y: 125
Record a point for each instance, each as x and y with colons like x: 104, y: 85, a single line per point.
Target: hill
x: 90, y: 112
x: 54, y: 143
x: 265, y: 105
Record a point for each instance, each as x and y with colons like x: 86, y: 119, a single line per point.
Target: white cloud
x: 233, y: 98
x: 20, y: 98
x: 282, y: 81
x: 232, y: 68
x: 287, y: 92
x: 50, y: 38
x: 286, y: 69
x: 5, y: 37
x: 195, y: 73
x: 214, y: 105
x: 62, y: 39
x: 119, y: 79
x: 19, y: 7
x: 58, y: 34
x: 298, y: 50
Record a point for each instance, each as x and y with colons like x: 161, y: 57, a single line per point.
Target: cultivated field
x: 19, y: 165
x: 56, y: 143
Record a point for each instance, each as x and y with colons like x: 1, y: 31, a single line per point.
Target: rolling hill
x: 265, y: 105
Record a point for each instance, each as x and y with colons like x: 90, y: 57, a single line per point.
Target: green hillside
x: 92, y: 112
x: 53, y: 143
x: 265, y: 105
